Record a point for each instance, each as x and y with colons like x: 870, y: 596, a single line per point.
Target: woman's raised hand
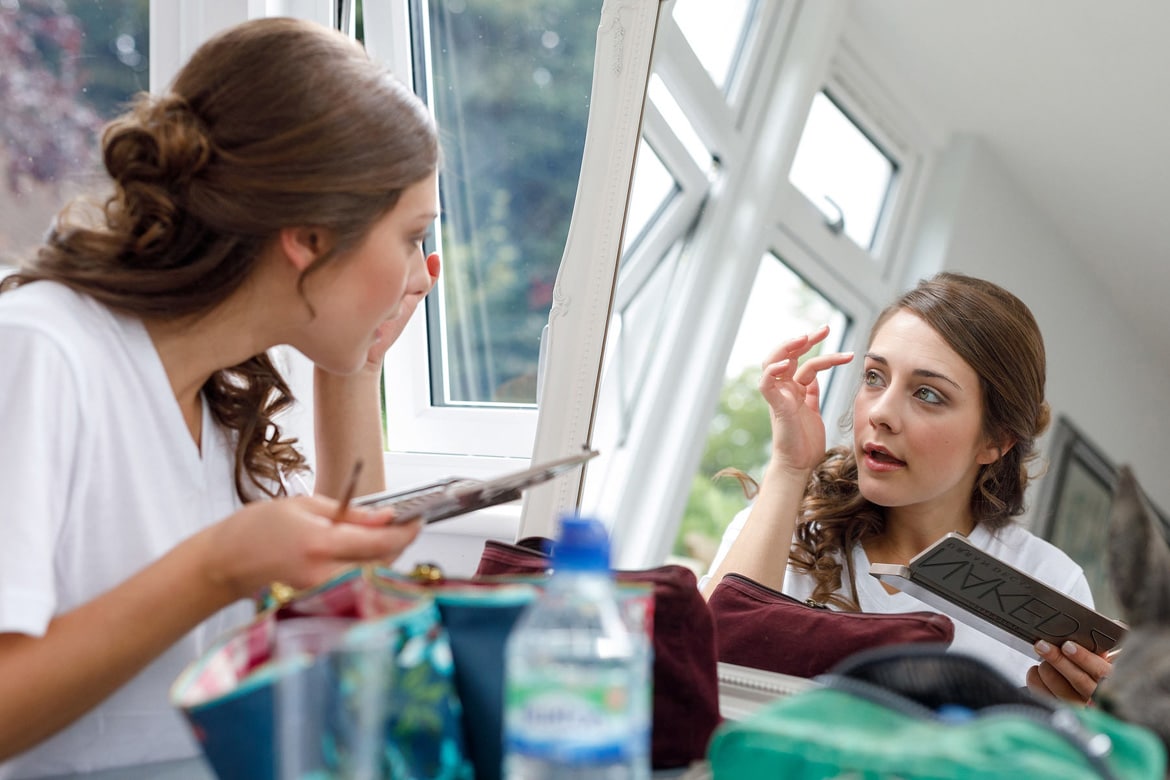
x: 297, y: 541
x: 793, y: 393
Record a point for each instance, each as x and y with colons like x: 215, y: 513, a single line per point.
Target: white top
x: 1014, y: 545
x: 99, y: 476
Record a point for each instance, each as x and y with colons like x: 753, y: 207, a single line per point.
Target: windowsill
x: 495, y: 522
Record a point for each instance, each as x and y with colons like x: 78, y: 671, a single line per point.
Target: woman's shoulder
x: 55, y: 312
x: 43, y: 304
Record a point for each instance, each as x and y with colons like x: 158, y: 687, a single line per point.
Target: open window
x: 514, y: 90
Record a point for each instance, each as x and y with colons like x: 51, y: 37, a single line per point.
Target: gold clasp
x: 426, y: 572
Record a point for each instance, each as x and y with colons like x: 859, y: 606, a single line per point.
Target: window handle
x: 835, y: 226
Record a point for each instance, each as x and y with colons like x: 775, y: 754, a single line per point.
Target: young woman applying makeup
x: 277, y: 194
x: 944, y: 425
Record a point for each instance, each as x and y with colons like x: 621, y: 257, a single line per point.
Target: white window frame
x: 645, y: 487
x: 417, y: 430
x: 860, y: 80
x: 178, y: 27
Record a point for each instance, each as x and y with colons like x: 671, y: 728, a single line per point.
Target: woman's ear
x: 993, y: 451
x: 302, y: 245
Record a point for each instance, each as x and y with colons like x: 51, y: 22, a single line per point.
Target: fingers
x: 368, y: 517
x: 794, y: 348
x: 784, y: 362
x: 362, y: 544
x: 368, y: 535
x: 804, y: 373
x: 1035, y: 682
x: 323, y: 506
x: 433, y: 265
x: 814, y: 365
x: 1070, y: 672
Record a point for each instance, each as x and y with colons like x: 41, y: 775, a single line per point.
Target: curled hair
x: 996, y: 334
x: 273, y: 123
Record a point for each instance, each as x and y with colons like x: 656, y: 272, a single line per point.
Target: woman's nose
x: 883, y: 413
x: 420, y: 278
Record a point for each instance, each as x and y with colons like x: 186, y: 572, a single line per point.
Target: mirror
x: 574, y: 340
x: 1018, y: 158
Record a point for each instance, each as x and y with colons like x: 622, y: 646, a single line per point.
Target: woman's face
x: 367, y: 286
x: 918, y: 420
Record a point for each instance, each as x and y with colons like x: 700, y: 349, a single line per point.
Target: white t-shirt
x: 99, y: 476
x: 1014, y: 545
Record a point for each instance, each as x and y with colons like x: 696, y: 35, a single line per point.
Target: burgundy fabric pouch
x: 765, y: 629
x: 686, y: 685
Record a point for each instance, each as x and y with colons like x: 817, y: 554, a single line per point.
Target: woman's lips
x: 879, y: 459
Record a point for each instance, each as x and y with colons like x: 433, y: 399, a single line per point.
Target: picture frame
x: 1074, y: 505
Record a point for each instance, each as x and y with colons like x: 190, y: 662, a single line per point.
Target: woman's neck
x: 909, y: 531
x: 192, y: 349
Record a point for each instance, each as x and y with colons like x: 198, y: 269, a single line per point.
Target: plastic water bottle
x: 577, y: 695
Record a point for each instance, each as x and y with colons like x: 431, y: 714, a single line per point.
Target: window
x: 716, y: 32
x: 781, y: 305
x: 652, y: 189
x: 678, y: 121
x: 67, y: 68
x: 842, y: 171
x: 509, y: 85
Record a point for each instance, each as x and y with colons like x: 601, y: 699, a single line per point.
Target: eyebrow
x: 922, y: 372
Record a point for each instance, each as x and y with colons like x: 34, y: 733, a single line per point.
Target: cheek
x: 392, y: 274
x: 381, y: 281
x: 859, y: 407
x: 953, y: 450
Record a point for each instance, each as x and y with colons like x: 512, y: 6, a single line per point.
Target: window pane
x: 639, y: 330
x: 653, y: 186
x: 781, y: 306
x: 510, y: 87
x: 715, y: 31
x: 836, y: 163
x: 65, y: 68
x: 674, y: 115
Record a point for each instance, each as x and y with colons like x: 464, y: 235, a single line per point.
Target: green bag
x: 919, y: 712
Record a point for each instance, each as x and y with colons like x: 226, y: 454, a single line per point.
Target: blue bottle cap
x: 583, y: 545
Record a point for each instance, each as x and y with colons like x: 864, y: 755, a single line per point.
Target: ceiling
x: 1074, y: 97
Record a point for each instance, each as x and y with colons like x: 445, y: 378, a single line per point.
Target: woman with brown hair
x: 944, y: 426
x: 277, y: 194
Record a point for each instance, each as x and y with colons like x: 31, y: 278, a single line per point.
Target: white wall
x: 1100, y: 375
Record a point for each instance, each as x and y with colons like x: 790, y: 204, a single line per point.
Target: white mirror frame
x: 574, y: 340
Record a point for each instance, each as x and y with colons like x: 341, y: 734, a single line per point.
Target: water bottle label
x: 577, y: 723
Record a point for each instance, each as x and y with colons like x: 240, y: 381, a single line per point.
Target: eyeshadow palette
x: 969, y: 585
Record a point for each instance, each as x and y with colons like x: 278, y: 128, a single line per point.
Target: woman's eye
x: 928, y: 395
x: 872, y: 378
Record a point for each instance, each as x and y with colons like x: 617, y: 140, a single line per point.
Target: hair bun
x: 159, y: 140
x: 183, y: 146
x: 153, y: 153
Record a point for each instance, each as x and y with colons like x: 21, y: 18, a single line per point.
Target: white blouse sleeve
x: 40, y: 418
